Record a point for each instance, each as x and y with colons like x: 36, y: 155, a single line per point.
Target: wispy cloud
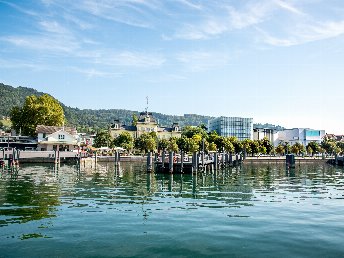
x: 223, y: 18
x: 197, y: 61
x: 289, y: 7
x: 130, y: 12
x: 109, y: 57
x: 95, y: 73
x: 190, y: 4
x: 306, y: 33
x: 20, y: 9
x: 43, y: 43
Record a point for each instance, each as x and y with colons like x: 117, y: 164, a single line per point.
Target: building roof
x: 144, y: 115
x: 52, y: 129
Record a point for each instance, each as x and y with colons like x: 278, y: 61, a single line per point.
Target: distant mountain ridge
x: 91, y: 119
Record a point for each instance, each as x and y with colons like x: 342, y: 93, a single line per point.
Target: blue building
x: 240, y: 127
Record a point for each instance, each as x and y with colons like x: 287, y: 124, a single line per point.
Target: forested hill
x: 85, y: 119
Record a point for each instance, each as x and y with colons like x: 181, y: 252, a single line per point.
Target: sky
x: 277, y: 61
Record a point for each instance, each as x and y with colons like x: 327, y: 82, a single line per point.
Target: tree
x: 193, y: 145
x: 103, y: 139
x: 267, y: 144
x: 340, y: 145
x: 134, y: 120
x: 124, y: 140
x: 246, y: 145
x: 146, y: 142
x: 254, y: 147
x: 280, y: 149
x: 42, y: 110
x: 297, y: 148
x: 172, y: 145
x: 329, y: 145
x: 183, y: 143
x: 213, y: 147
x: 237, y: 144
x: 227, y: 145
x: 309, y: 150
x: 190, y: 131
x: 163, y: 144
x: 314, y: 146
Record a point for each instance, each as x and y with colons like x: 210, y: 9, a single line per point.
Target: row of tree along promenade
x: 47, y: 111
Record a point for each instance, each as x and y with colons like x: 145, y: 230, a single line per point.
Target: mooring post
x: 197, y: 160
x: 163, y: 159
x: 182, y: 161
x: 149, y: 162
x: 290, y: 160
x: 236, y: 159
x: 170, y: 161
x: 215, y: 160
x: 226, y: 159
x: 194, y: 163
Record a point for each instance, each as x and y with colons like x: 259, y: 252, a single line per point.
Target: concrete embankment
x: 282, y: 159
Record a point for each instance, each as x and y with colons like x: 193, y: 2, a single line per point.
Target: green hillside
x: 88, y: 119
x: 91, y: 120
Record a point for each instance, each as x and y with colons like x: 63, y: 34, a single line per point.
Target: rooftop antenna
x: 147, y: 106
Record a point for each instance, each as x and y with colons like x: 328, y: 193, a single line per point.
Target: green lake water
x: 260, y: 210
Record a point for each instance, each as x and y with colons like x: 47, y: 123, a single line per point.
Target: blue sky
x: 278, y: 61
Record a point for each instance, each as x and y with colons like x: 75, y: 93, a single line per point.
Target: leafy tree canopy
x: 124, y: 140
x: 37, y: 110
x: 103, y: 139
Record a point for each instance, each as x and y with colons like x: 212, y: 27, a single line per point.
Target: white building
x: 300, y: 135
x: 56, y: 138
x: 261, y: 133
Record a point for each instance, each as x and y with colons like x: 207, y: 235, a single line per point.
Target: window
x: 61, y: 136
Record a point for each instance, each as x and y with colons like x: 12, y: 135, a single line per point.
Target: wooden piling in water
x: 182, y: 161
x: 149, y: 162
x: 170, y: 162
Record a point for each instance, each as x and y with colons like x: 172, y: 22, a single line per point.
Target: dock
x: 190, y: 164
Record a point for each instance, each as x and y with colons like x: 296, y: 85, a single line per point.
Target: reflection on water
x: 67, y: 206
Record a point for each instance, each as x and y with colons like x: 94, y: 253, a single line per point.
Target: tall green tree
x: 254, y: 147
x: 183, y: 143
x: 190, y: 131
x: 124, y: 140
x: 267, y: 144
x: 228, y: 145
x: 172, y: 145
x: 134, y: 120
x: 42, y: 110
x: 103, y: 139
x: 146, y: 142
x: 236, y: 143
x: 163, y: 144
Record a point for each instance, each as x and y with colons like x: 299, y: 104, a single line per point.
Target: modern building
x: 300, y: 135
x: 146, y: 123
x: 261, y: 133
x: 240, y: 127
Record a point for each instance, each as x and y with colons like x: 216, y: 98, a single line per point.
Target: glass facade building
x: 240, y: 127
